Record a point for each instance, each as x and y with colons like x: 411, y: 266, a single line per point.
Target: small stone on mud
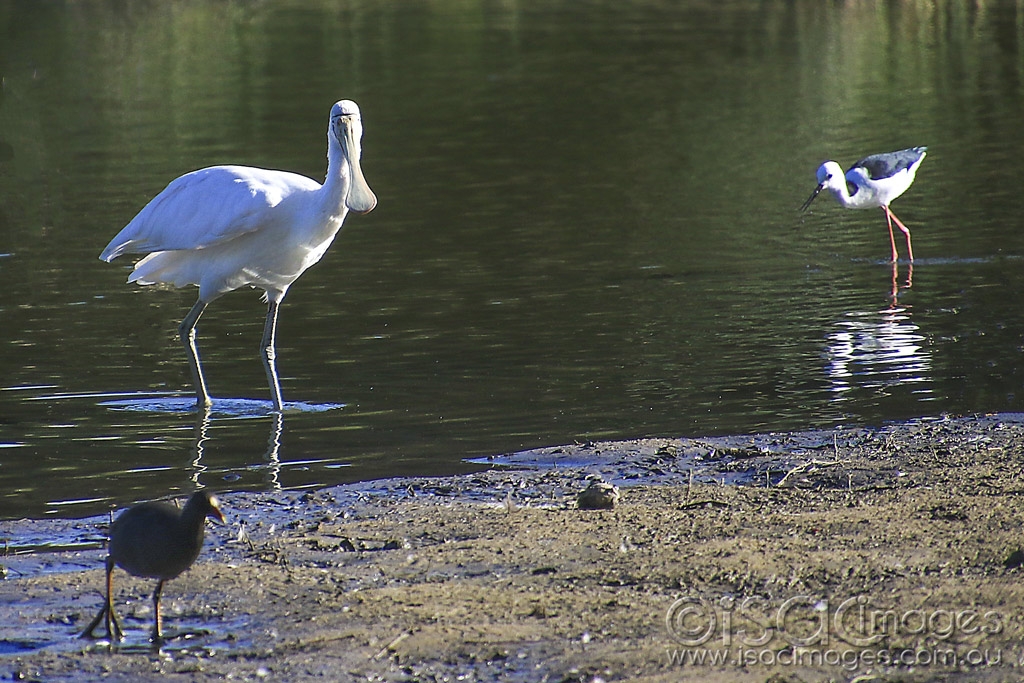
x: 1015, y: 559
x: 598, y: 496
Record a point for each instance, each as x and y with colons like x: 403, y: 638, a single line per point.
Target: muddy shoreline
x: 852, y: 554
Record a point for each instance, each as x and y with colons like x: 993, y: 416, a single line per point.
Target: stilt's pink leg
x: 892, y: 240
x: 905, y: 229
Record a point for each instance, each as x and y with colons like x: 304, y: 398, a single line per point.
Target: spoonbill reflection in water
x: 224, y: 227
x: 873, y: 181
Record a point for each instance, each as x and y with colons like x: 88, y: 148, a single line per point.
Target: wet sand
x: 887, y: 554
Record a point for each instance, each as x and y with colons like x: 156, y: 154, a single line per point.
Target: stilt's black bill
x: 814, y: 194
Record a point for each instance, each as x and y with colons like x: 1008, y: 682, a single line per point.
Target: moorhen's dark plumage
x: 155, y: 540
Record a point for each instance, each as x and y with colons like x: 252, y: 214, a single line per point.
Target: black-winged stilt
x: 873, y: 181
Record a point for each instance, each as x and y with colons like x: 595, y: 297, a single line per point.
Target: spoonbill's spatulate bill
x: 225, y: 227
x: 872, y: 182
x: 154, y: 540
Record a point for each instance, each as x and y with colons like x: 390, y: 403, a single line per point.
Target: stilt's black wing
x: 889, y: 164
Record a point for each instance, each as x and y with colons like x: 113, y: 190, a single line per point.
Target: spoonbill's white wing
x: 206, y: 207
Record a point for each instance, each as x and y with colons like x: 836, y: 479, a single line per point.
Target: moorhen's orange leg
x: 158, y: 635
x: 106, y: 613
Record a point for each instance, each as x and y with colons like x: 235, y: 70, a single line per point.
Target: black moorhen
x: 155, y: 540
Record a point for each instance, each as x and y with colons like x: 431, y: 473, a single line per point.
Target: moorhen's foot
x: 110, y: 621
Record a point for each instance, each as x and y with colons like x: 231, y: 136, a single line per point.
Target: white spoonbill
x: 224, y: 227
x: 872, y: 182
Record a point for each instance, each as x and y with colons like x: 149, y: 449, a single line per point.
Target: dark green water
x: 587, y: 228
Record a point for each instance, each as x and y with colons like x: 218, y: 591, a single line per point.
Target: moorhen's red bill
x: 155, y: 540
